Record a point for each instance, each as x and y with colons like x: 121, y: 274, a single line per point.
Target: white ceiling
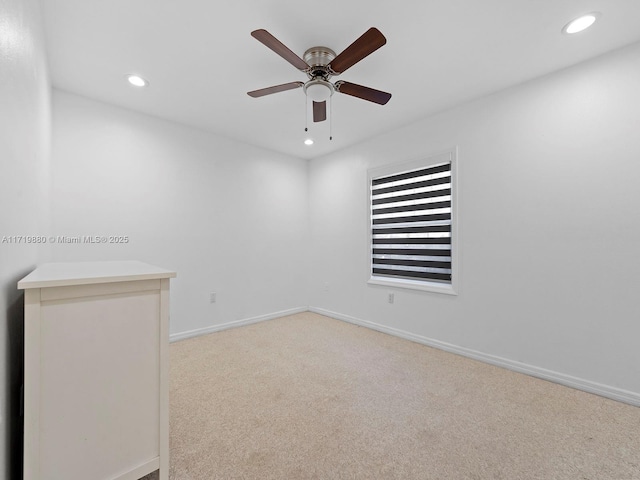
x: 201, y: 60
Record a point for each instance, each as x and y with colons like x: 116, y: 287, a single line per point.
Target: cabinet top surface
x: 83, y: 273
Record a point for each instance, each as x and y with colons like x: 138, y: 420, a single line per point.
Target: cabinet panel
x: 100, y: 374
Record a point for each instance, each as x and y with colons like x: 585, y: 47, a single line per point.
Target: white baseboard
x: 607, y: 391
x: 174, y: 337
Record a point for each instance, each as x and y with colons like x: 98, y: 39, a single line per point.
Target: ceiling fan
x: 320, y: 64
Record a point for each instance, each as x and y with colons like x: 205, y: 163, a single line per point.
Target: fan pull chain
x: 330, y: 117
x: 306, y: 114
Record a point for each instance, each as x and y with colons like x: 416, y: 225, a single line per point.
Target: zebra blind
x: 411, y: 225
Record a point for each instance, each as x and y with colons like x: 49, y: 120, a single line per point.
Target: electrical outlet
x: 391, y: 297
x: 212, y: 297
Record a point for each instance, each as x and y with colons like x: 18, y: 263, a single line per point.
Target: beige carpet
x: 308, y: 397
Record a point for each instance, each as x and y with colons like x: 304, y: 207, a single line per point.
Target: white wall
x: 24, y: 157
x: 228, y: 217
x: 548, y: 216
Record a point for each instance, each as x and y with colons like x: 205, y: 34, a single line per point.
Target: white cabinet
x: 96, y: 396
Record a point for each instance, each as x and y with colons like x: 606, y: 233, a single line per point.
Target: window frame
x: 448, y: 156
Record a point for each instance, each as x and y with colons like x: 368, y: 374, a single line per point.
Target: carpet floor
x: 309, y: 397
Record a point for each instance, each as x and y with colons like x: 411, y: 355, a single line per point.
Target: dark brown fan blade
x: 275, y: 89
x: 319, y: 111
x: 365, y: 93
x: 277, y: 46
x: 368, y: 43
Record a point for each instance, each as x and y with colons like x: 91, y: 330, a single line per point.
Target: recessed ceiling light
x: 580, y: 23
x: 137, y: 80
x: 308, y: 141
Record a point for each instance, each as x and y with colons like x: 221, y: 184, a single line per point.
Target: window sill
x: 414, y: 285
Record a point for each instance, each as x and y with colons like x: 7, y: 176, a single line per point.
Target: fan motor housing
x: 318, y: 58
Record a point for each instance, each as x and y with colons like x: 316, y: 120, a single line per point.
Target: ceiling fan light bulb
x: 318, y: 92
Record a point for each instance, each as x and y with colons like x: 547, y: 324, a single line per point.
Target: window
x: 412, y: 229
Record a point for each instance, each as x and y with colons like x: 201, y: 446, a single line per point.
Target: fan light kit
x: 308, y: 141
x: 137, y: 80
x: 320, y: 64
x: 580, y: 23
x: 318, y: 90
